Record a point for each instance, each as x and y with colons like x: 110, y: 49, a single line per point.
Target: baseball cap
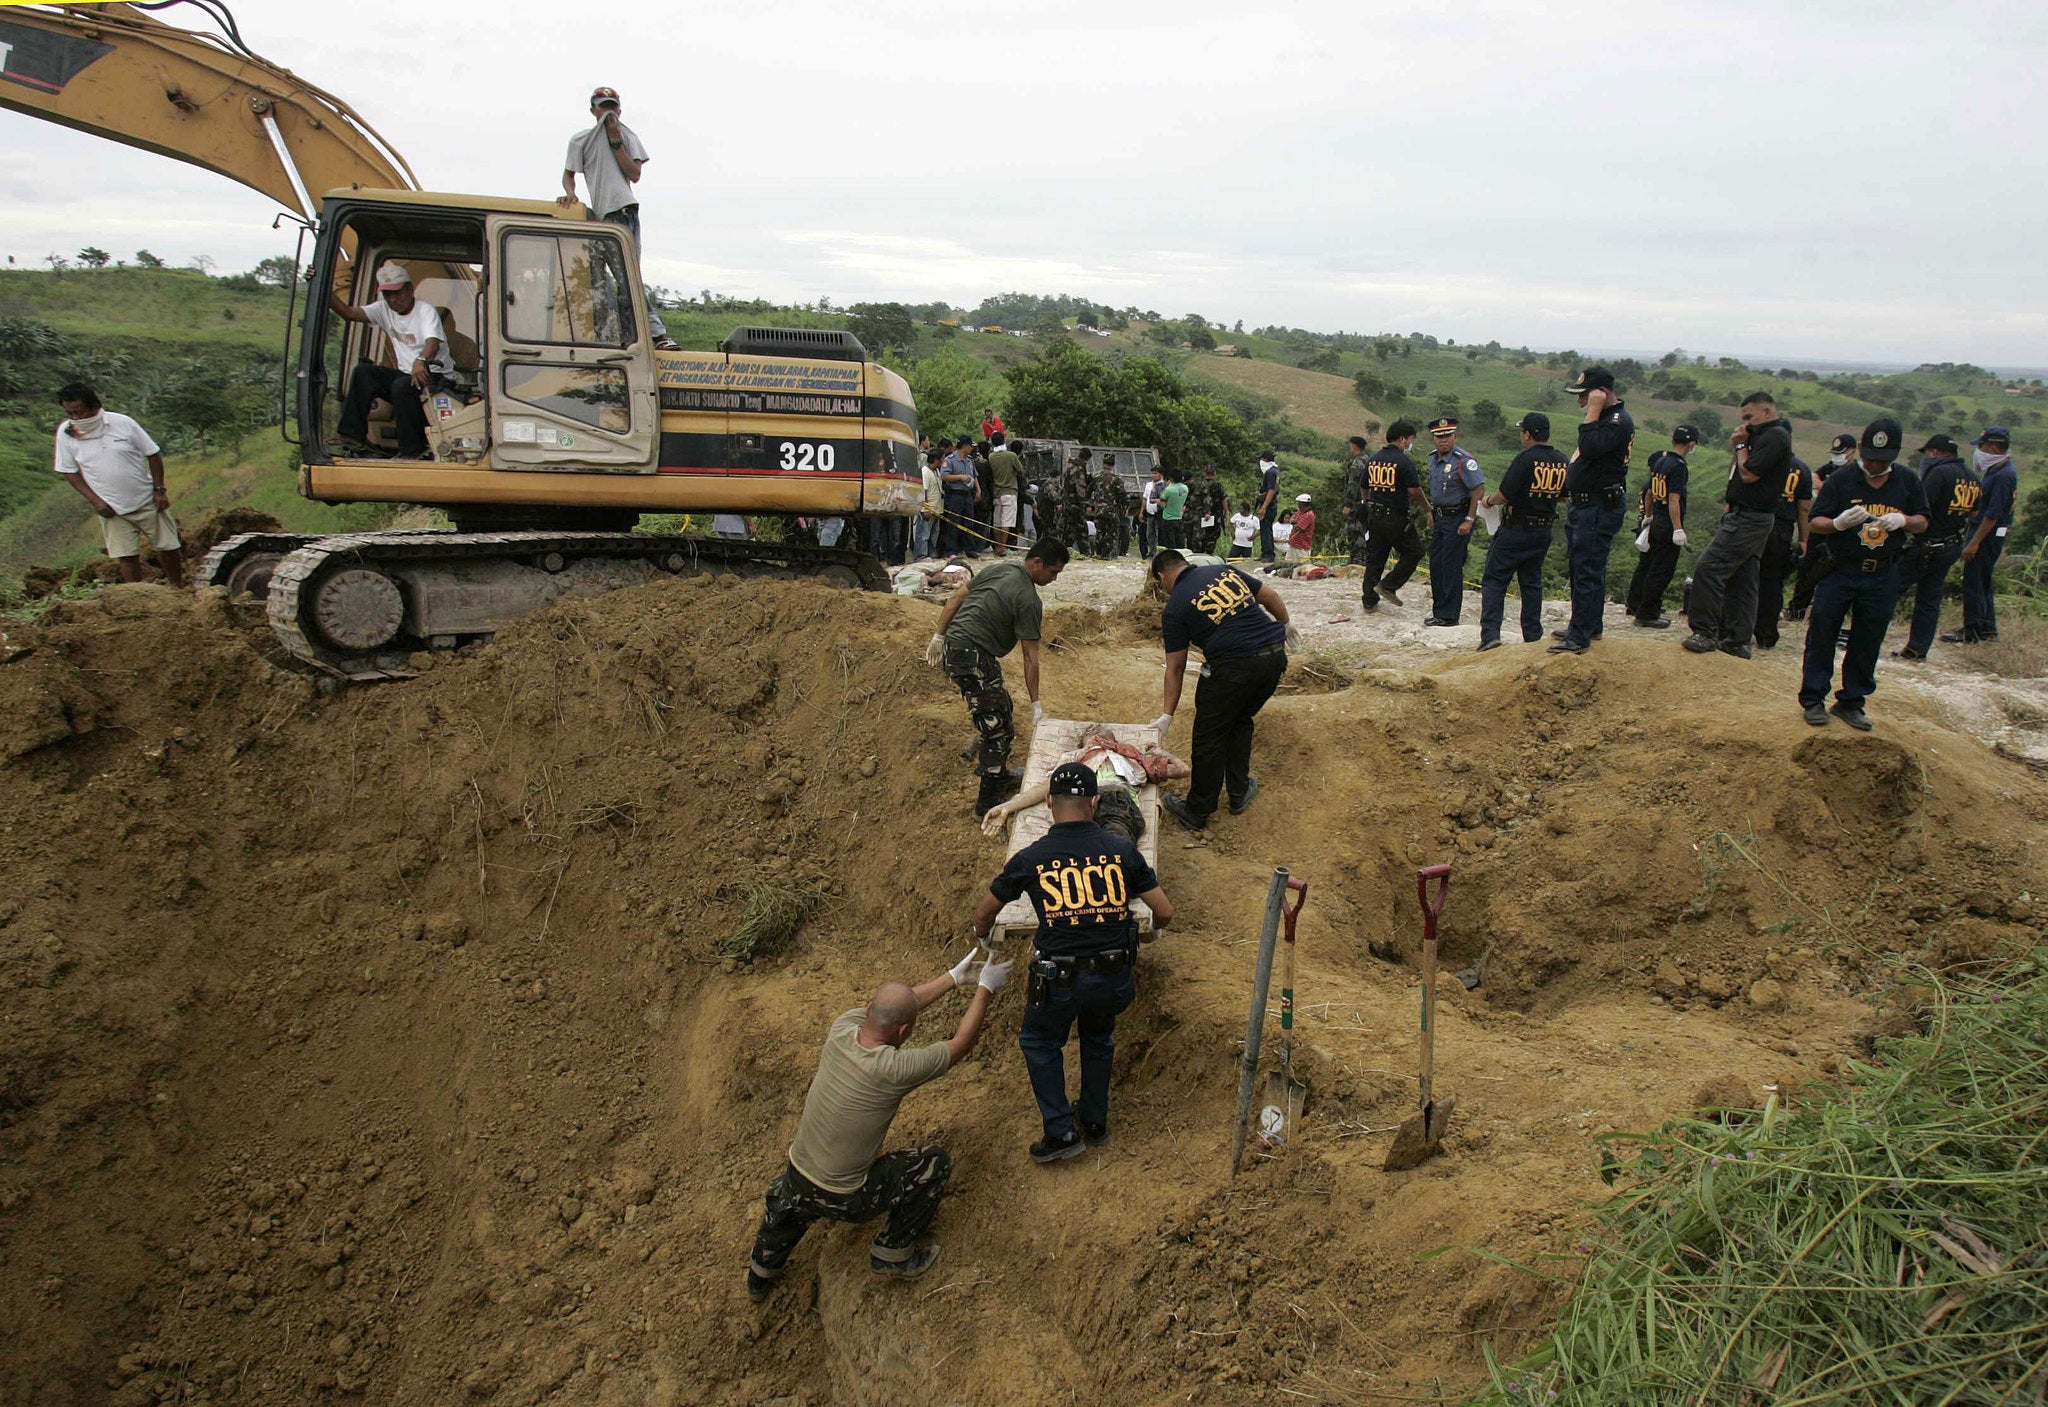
x: 1443, y: 425
x: 1881, y: 438
x: 1842, y: 444
x: 599, y: 96
x: 1072, y: 779
x: 1997, y: 433
x: 1945, y: 443
x: 1685, y: 435
x: 1536, y: 423
x: 391, y: 274
x: 1301, y: 498
x: 1592, y: 378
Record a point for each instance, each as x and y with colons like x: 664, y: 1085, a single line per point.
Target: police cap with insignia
x: 1685, y: 435
x: 1592, y: 378
x: 1444, y: 425
x: 1842, y: 444
x: 1994, y: 435
x: 1880, y: 444
x: 1072, y: 779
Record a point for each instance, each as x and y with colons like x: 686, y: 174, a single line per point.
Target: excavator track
x: 243, y: 563
x: 360, y: 605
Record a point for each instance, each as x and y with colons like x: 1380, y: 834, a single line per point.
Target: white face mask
x: 1985, y: 459
x: 89, y: 427
x: 1838, y: 460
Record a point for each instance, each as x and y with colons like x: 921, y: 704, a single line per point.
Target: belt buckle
x: 1871, y: 565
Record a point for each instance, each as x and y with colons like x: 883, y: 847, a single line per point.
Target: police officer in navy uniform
x: 1816, y: 564
x: 1597, y: 485
x: 1242, y: 630
x: 1783, y: 551
x: 1455, y: 488
x: 1953, y: 491
x: 1081, y: 879
x: 1868, y: 514
x: 2001, y: 483
x: 1662, y: 505
x: 1390, y: 482
x: 1528, y: 497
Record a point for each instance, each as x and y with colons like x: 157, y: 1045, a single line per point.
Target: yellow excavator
x: 560, y: 423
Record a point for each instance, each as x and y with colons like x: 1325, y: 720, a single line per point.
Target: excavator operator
x: 419, y: 347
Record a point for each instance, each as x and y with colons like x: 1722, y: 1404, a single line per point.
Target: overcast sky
x: 1845, y: 179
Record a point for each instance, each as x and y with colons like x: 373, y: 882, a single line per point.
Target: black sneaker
x: 1489, y: 645
x: 1432, y: 620
x: 1557, y: 635
x: 1957, y: 637
x: 1389, y: 597
x: 1054, y: 1150
x: 1816, y: 715
x: 1699, y: 644
x: 759, y: 1286
x: 1854, y: 717
x: 1094, y: 1135
x: 1729, y: 647
x: 1568, y: 647
x: 1182, y: 812
x: 1907, y: 652
x: 1370, y: 603
x: 922, y: 1258
x: 1660, y: 623
x: 1244, y: 803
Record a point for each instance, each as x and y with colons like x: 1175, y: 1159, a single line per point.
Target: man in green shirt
x: 1173, y: 502
x: 1006, y: 472
x: 983, y: 621
x: 833, y: 1172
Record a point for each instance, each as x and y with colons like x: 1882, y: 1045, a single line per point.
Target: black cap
x: 1592, y: 378
x: 1072, y: 779
x: 1536, y: 423
x: 1945, y: 443
x: 1686, y: 435
x: 1997, y: 434
x: 1881, y: 437
x: 1443, y: 425
x: 1842, y: 444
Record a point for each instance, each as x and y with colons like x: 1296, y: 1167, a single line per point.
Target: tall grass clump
x: 1884, y: 1244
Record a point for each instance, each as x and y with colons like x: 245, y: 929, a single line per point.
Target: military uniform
x: 1669, y: 474
x: 1953, y: 492
x: 1106, y: 505
x: 1208, y: 508
x: 1354, y: 509
x: 1863, y: 586
x: 1389, y: 477
x: 1531, y: 487
x: 1781, y: 553
x: 1597, y: 487
x: 1073, y: 498
x: 1001, y: 608
x: 1081, y: 879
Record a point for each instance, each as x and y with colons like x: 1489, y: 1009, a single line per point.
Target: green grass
x: 158, y: 305
x: 1881, y: 1244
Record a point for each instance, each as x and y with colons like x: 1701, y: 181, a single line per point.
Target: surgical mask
x: 1838, y: 460
x: 1985, y: 459
x: 89, y: 427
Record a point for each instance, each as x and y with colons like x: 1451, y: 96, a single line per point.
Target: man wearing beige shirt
x: 833, y: 1172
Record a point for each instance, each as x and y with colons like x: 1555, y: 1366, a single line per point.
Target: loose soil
x: 384, y: 1042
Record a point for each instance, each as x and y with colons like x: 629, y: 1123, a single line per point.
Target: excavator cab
x: 553, y: 362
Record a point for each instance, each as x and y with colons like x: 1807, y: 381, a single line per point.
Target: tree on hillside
x: 93, y: 257
x: 201, y: 262
x: 57, y: 262
x: 881, y: 326
x: 1085, y: 318
x: 1202, y: 340
x: 1671, y: 358
x: 148, y: 260
x: 1706, y: 420
x: 1447, y: 406
x: 278, y: 271
x: 1070, y: 393
x: 1487, y: 416
x: 951, y: 390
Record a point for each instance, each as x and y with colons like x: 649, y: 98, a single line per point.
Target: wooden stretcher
x: 1051, y: 741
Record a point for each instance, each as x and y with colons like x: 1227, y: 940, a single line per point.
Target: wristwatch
x: 614, y: 145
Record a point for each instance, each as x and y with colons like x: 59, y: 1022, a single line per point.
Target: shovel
x: 1285, y: 1095
x: 1421, y: 1134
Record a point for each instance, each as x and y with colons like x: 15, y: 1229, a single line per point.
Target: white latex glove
x: 964, y: 969
x: 995, y: 974
x: 1892, y: 522
x: 1037, y: 713
x: 1643, y: 540
x: 1854, y: 516
x: 1161, y: 724
x: 935, y: 653
x: 1293, y: 637
x: 1678, y: 537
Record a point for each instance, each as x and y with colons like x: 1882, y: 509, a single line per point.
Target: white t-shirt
x: 1244, y: 529
x: 409, y: 334
x: 115, y: 463
x: 591, y: 157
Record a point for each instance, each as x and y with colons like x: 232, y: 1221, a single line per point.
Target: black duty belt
x: 1064, y: 968
x: 1442, y: 510
x: 1940, y: 544
x: 1864, y: 566
x: 1530, y: 520
x: 1606, y: 498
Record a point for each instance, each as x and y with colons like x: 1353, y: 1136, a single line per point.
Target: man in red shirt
x: 1301, y: 537
x: 991, y: 425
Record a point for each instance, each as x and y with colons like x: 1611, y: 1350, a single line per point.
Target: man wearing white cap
x: 610, y: 157
x: 1301, y: 532
x: 419, y: 353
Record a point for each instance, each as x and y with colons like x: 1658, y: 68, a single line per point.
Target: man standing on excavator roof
x: 610, y: 158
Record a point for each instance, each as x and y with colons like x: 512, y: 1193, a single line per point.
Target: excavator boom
x: 204, y: 98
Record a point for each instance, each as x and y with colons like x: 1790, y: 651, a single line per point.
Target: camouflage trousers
x: 906, y: 1185
x: 1073, y: 527
x: 979, y: 677
x: 1112, y: 533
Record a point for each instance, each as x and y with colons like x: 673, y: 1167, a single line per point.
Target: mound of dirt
x: 389, y: 1042
x: 41, y: 582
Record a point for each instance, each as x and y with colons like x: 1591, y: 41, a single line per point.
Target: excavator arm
x: 204, y: 98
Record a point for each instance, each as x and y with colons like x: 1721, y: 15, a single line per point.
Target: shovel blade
x: 1280, y: 1114
x: 1420, y: 1135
